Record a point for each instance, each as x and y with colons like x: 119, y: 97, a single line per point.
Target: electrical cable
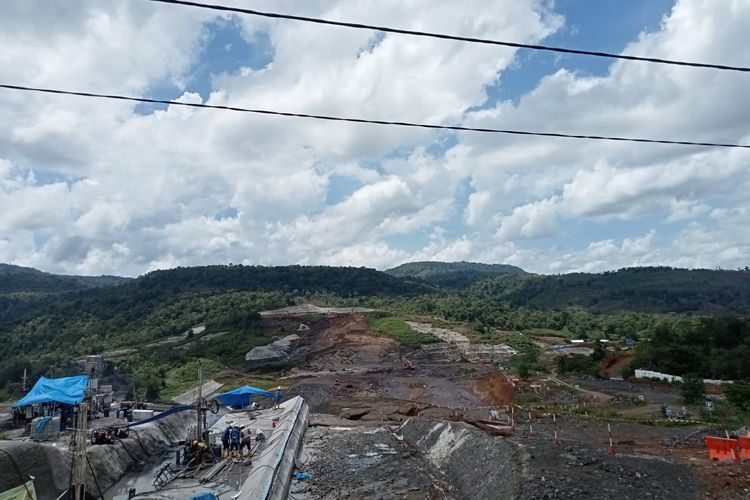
x: 18, y: 471
x: 442, y: 36
x: 374, y: 122
x: 93, y: 475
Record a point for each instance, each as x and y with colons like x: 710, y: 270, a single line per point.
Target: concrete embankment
x: 50, y: 464
x: 474, y: 464
x: 272, y: 468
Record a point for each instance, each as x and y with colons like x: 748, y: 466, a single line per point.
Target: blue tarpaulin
x: 68, y: 390
x: 204, y: 495
x: 241, y: 395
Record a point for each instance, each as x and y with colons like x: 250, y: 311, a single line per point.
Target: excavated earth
x: 426, y: 458
x: 361, y: 393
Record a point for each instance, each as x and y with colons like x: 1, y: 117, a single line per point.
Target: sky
x: 108, y: 187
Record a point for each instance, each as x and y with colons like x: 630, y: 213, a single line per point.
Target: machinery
x: 107, y: 435
x: 98, y: 395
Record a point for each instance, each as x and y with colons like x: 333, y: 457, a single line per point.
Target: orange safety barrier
x: 744, y: 444
x: 721, y: 448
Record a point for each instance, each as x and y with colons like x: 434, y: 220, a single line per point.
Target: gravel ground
x: 572, y: 472
x: 362, y: 462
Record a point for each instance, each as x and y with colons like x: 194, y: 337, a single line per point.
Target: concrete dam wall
x: 50, y: 463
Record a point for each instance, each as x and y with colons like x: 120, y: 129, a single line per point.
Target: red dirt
x: 494, y: 389
x: 612, y: 366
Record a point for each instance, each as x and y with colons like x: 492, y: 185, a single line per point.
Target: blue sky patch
x: 601, y: 25
x: 227, y: 213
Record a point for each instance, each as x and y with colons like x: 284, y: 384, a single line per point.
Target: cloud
x: 94, y: 186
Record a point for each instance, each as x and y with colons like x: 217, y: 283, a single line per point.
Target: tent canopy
x: 241, y: 396
x: 68, y: 390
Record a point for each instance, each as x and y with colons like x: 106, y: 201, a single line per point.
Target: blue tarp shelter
x: 241, y: 396
x: 68, y: 390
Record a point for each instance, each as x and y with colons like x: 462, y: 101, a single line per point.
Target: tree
x: 738, y: 394
x: 599, y: 351
x: 693, y: 391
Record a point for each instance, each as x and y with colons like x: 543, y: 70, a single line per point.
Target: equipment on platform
x: 107, y: 435
x: 98, y: 395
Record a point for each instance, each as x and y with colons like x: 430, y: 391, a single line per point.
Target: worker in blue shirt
x: 234, y: 441
x: 225, y: 439
x: 277, y: 397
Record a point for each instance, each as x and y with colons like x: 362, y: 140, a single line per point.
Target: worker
x: 277, y: 398
x: 246, y: 437
x: 225, y: 439
x: 199, y: 449
x: 234, y: 441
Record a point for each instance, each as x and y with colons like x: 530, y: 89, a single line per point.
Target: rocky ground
x: 357, y: 387
x: 363, y: 461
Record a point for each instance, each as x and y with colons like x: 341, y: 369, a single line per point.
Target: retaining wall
x: 272, y: 470
x: 674, y: 378
x: 50, y: 465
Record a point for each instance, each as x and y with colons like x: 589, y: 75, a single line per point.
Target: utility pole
x: 24, y: 379
x: 199, y: 400
x: 79, y: 454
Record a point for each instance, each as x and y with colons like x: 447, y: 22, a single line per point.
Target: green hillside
x: 17, y: 279
x: 42, y: 330
x: 646, y: 289
x: 48, y: 321
x: 452, y: 274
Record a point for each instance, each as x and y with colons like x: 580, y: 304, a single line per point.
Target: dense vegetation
x: 398, y: 329
x: 646, y: 289
x: 451, y: 274
x: 25, y: 280
x: 486, y: 314
x: 643, y: 289
x: 45, y: 333
x: 715, y: 348
x: 47, y: 322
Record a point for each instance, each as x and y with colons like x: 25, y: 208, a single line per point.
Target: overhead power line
x: 370, y: 121
x: 443, y: 36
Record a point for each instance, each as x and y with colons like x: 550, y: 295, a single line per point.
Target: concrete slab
x: 188, y: 397
x: 270, y: 477
x: 277, y: 350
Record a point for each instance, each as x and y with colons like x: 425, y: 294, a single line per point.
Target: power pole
x: 199, y: 400
x: 24, y: 379
x: 79, y: 454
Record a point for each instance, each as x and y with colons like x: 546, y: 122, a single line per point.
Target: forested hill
x: 643, y: 289
x: 17, y: 279
x: 451, y: 274
x: 48, y: 320
x: 342, y: 281
x: 139, y: 297
x: 43, y: 329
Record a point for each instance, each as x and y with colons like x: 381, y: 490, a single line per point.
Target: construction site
x: 361, y: 415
